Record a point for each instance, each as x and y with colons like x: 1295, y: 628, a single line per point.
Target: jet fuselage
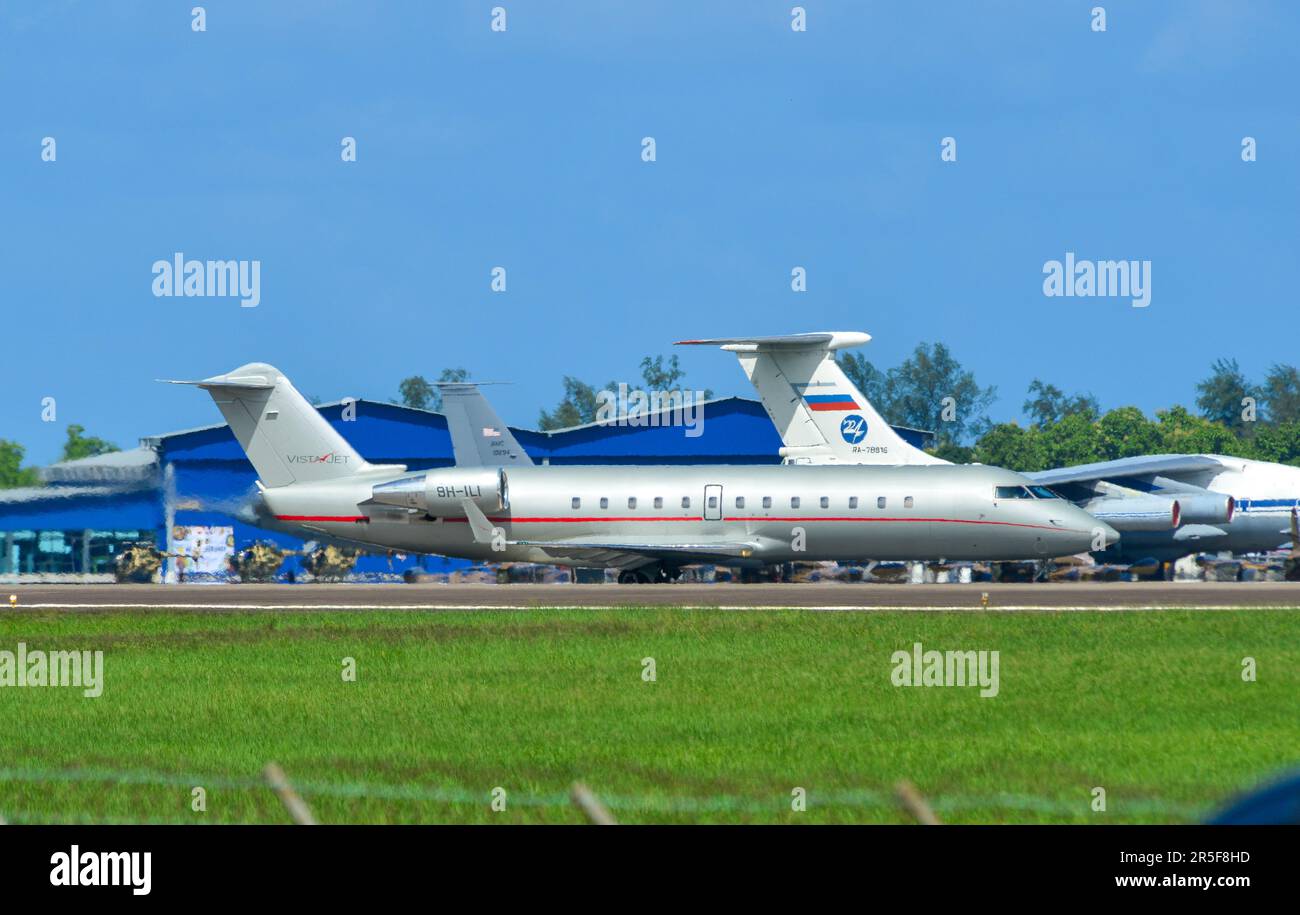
x: 786, y: 512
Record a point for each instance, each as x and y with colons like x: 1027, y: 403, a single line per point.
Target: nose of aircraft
x: 1093, y: 525
x: 1112, y: 535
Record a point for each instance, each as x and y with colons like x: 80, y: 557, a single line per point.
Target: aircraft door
x: 713, y: 502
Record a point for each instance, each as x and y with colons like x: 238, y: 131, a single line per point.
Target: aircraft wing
x: 1153, y: 465
x: 692, y: 551
x: 619, y: 552
x: 478, y: 437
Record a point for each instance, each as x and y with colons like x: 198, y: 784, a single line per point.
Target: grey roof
x: 703, y: 403
x: 135, y: 465
x: 614, y: 421
x: 45, y: 493
x: 155, y: 441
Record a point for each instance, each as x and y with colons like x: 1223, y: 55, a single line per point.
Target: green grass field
x: 746, y: 707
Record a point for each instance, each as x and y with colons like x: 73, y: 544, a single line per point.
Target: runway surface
x: 820, y: 596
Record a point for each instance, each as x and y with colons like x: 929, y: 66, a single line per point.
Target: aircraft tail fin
x: 478, y: 436
x: 821, y: 416
x: 284, y: 436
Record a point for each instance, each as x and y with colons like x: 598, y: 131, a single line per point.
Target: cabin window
x: 631, y: 502
x: 825, y: 502
x: 659, y: 501
x: 767, y: 501
x: 713, y: 501
x: 907, y: 502
x: 794, y: 501
x: 880, y: 502
x: 604, y: 502
x: 740, y: 501
x: 686, y: 501
x: 576, y: 503
x: 853, y: 501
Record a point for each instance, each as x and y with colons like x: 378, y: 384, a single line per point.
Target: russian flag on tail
x: 830, y: 402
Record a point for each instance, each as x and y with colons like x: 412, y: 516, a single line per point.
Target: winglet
x: 247, y: 382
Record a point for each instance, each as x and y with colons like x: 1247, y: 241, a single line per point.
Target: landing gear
x: 749, y: 575
x: 647, y: 575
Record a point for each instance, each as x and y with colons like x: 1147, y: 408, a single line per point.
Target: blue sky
x: 522, y: 149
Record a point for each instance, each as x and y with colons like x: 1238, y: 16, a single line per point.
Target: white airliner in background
x: 1165, y: 505
x: 646, y: 521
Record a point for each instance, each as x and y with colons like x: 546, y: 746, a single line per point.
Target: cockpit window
x: 1011, y: 492
x: 1043, y: 492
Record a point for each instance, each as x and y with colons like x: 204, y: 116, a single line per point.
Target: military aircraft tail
x: 478, y: 436
x: 821, y: 416
x: 284, y: 436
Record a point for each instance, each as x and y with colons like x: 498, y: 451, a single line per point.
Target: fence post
x: 296, y: 806
x: 914, y: 804
x: 589, y: 804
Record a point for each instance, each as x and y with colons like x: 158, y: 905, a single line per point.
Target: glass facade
x: 63, y: 551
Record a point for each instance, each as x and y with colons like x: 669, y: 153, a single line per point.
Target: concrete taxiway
x: 820, y: 596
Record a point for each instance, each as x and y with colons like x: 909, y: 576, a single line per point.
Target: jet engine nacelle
x: 442, y: 493
x: 1206, y: 508
x: 1136, y: 513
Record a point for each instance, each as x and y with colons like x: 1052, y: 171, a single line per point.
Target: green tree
x: 416, y: 392
x: 1280, y: 394
x: 1013, y: 447
x: 931, y: 390
x: 1072, y: 440
x: 1126, y: 432
x: 1048, y: 404
x: 419, y: 394
x: 581, y: 400
x: 577, y: 408
x: 866, y: 378
x: 1220, y: 396
x: 1183, y: 433
x: 665, y: 378
x: 953, y: 454
x: 1278, y: 442
x: 80, y: 446
x: 12, y: 473
x: 658, y: 377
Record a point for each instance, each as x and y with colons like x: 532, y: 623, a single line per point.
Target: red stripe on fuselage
x: 338, y: 518
x: 697, y: 520
x: 352, y: 519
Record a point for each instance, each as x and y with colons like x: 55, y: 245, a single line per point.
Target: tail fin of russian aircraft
x: 478, y: 437
x: 284, y: 436
x: 821, y: 416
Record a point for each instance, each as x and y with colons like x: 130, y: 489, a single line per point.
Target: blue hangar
x: 88, y: 511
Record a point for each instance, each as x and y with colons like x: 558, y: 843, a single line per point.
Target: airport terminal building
x: 191, y: 492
